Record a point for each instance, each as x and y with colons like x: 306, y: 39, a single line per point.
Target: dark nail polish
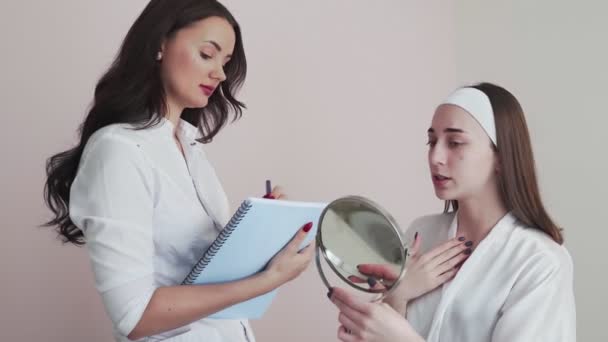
x: 307, y: 227
x: 468, y: 243
x: 468, y: 251
x: 371, y: 281
x: 461, y: 238
x: 415, y: 236
x: 329, y: 293
x: 269, y: 196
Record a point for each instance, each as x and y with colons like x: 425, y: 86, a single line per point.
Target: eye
x: 454, y: 144
x: 205, y: 56
x: 431, y: 142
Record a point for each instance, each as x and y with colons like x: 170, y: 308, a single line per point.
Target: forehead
x: 214, y: 29
x: 452, y: 116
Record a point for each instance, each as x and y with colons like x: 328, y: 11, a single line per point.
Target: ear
x: 159, y: 55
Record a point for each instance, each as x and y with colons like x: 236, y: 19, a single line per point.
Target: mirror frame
x: 321, y: 249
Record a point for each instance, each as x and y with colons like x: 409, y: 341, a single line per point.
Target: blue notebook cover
x: 258, y: 230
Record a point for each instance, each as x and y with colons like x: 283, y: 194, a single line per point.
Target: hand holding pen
x: 274, y: 193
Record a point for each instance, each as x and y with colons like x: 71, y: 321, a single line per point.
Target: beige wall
x: 339, y: 94
x: 52, y: 54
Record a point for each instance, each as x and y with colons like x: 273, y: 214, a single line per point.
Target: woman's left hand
x: 370, y: 322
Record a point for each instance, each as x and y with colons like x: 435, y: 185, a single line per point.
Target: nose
x: 218, y: 73
x: 437, y: 155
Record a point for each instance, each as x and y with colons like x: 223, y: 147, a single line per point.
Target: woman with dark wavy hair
x: 137, y: 189
x: 492, y: 267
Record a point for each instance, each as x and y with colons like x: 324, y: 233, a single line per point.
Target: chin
x: 201, y: 103
x: 198, y: 102
x: 444, y: 195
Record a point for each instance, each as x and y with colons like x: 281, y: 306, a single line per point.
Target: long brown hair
x: 131, y: 91
x: 517, y: 177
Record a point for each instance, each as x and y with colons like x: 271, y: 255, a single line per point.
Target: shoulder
x: 536, y: 249
x: 117, y: 134
x: 119, y: 141
x: 113, y: 159
x: 115, y: 146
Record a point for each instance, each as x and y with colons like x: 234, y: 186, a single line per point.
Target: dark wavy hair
x: 131, y: 91
x: 517, y: 179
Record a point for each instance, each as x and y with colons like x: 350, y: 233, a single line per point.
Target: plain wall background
x: 552, y: 55
x: 340, y: 94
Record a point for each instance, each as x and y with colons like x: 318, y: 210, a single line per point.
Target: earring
x: 159, y: 56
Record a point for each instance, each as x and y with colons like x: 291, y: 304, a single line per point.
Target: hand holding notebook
x: 256, y: 233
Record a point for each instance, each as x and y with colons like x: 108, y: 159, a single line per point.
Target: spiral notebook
x: 258, y: 230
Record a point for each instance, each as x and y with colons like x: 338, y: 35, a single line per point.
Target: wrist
x: 272, y: 278
x: 401, y: 307
x: 411, y: 335
x: 398, y: 304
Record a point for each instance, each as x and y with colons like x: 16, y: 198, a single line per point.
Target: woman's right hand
x: 428, y: 271
x: 290, y: 262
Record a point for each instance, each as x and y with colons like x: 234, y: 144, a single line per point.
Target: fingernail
x: 468, y: 251
x: 468, y: 243
x: 371, y: 281
x: 269, y: 197
x: 461, y: 238
x: 307, y: 227
x: 415, y: 236
x: 329, y: 293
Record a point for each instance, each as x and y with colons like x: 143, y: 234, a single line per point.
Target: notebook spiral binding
x: 218, y: 243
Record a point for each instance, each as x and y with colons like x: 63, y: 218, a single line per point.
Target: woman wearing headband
x: 492, y: 266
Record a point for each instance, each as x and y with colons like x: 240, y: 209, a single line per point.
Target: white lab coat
x: 148, y: 215
x: 516, y: 286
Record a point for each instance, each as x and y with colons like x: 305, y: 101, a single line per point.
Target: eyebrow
x: 447, y: 130
x: 217, y: 46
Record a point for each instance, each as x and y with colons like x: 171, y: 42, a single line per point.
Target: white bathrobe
x: 516, y: 286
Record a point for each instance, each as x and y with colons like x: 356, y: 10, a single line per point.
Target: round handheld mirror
x: 361, y: 246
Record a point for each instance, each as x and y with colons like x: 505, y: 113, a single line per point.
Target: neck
x: 478, y: 215
x: 173, y: 114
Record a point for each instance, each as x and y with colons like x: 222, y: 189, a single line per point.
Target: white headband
x: 476, y: 103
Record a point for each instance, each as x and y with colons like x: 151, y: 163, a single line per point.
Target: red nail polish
x: 268, y: 196
x: 307, y: 227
